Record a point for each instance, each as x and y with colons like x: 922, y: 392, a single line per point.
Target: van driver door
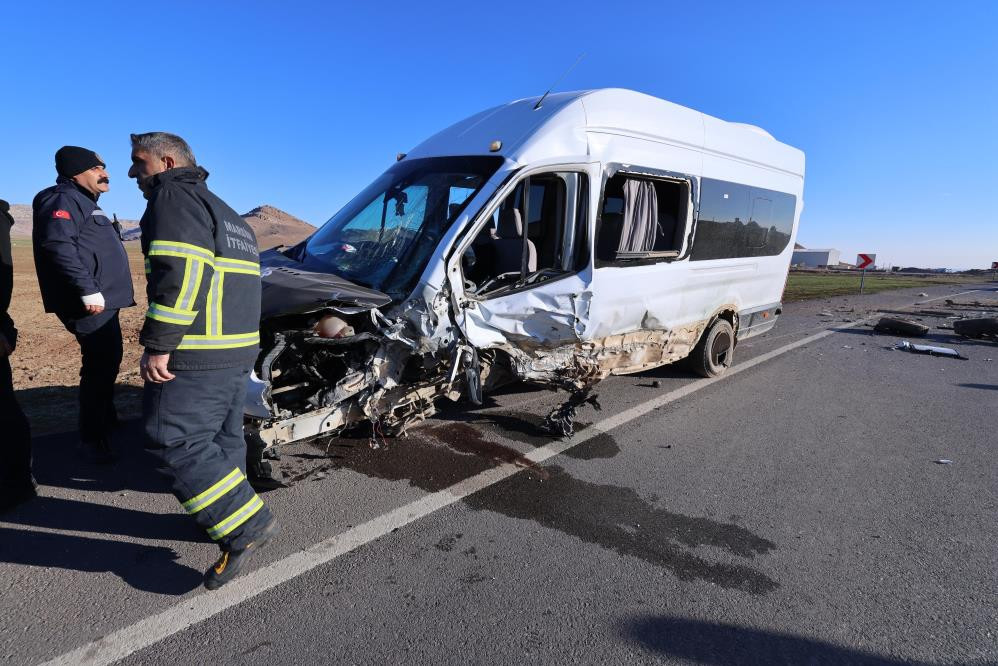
x: 523, y: 274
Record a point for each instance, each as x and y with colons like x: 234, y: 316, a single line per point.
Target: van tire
x: 715, y: 351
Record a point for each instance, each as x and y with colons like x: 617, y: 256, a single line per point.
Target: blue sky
x: 300, y: 105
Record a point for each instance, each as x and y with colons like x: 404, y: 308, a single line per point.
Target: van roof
x: 566, y: 123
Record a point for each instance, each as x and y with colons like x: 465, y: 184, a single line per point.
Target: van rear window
x: 741, y: 221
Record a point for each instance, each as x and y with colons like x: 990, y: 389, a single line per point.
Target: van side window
x: 641, y: 219
x: 741, y: 221
x: 537, y: 233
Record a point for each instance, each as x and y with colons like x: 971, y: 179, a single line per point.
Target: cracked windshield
x: 384, y: 237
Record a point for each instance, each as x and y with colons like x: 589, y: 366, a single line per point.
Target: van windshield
x: 384, y: 237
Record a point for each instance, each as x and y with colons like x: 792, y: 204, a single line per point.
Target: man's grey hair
x: 162, y: 144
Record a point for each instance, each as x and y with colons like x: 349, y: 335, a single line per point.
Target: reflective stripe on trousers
x: 194, y: 426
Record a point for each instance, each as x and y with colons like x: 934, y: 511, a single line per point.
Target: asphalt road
x: 792, y: 512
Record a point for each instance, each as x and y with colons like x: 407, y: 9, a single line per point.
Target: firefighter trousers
x: 194, y: 427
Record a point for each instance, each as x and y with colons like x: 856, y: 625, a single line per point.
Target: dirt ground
x: 46, y: 363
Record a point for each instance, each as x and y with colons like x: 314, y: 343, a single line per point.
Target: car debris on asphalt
x: 901, y: 326
x: 931, y: 350
x: 986, y: 327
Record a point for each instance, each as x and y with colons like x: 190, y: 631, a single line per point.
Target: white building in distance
x: 815, y: 258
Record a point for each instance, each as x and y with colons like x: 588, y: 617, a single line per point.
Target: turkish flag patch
x: 62, y: 215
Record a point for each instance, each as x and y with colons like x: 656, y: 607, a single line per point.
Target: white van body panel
x: 572, y: 330
x: 527, y: 136
x: 637, y: 131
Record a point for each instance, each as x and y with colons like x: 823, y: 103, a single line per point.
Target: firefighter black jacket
x: 203, y: 276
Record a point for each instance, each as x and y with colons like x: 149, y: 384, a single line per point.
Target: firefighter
x: 84, y: 278
x: 16, y: 484
x: 201, y: 338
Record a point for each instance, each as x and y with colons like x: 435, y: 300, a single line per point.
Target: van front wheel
x: 715, y: 351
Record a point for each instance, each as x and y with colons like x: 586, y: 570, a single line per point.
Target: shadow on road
x: 677, y: 370
x: 147, y: 568
x: 54, y: 409
x: 712, y: 643
x: 984, y: 387
x: 57, y: 463
x: 525, y: 427
x: 73, y: 515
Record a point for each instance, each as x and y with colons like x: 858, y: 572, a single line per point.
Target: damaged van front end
x: 347, y: 336
x: 332, y: 360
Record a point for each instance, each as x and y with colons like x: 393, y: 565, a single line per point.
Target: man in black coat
x: 201, y: 336
x: 16, y: 484
x: 84, y: 278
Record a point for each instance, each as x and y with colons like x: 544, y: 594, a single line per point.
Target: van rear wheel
x: 715, y: 351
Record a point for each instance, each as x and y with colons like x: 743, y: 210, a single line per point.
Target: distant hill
x: 22, y: 220
x: 271, y: 225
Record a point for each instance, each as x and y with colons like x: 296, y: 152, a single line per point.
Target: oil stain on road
x: 608, y: 516
x: 622, y: 521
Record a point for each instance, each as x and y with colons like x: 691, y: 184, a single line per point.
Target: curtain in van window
x: 640, y: 217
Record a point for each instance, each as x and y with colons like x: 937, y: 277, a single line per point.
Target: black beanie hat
x: 73, y: 160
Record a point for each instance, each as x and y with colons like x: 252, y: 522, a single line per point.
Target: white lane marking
x: 142, y: 634
x: 939, y: 298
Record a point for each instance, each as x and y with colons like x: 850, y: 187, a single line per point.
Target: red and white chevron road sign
x: 865, y: 260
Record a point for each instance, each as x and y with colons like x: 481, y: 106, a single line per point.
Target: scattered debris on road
x: 561, y: 421
x: 900, y: 326
x: 977, y: 328
x: 931, y: 350
x: 989, y: 305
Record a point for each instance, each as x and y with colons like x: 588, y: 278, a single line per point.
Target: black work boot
x: 232, y: 562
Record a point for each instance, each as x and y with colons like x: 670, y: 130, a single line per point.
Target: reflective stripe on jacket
x: 203, y: 276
